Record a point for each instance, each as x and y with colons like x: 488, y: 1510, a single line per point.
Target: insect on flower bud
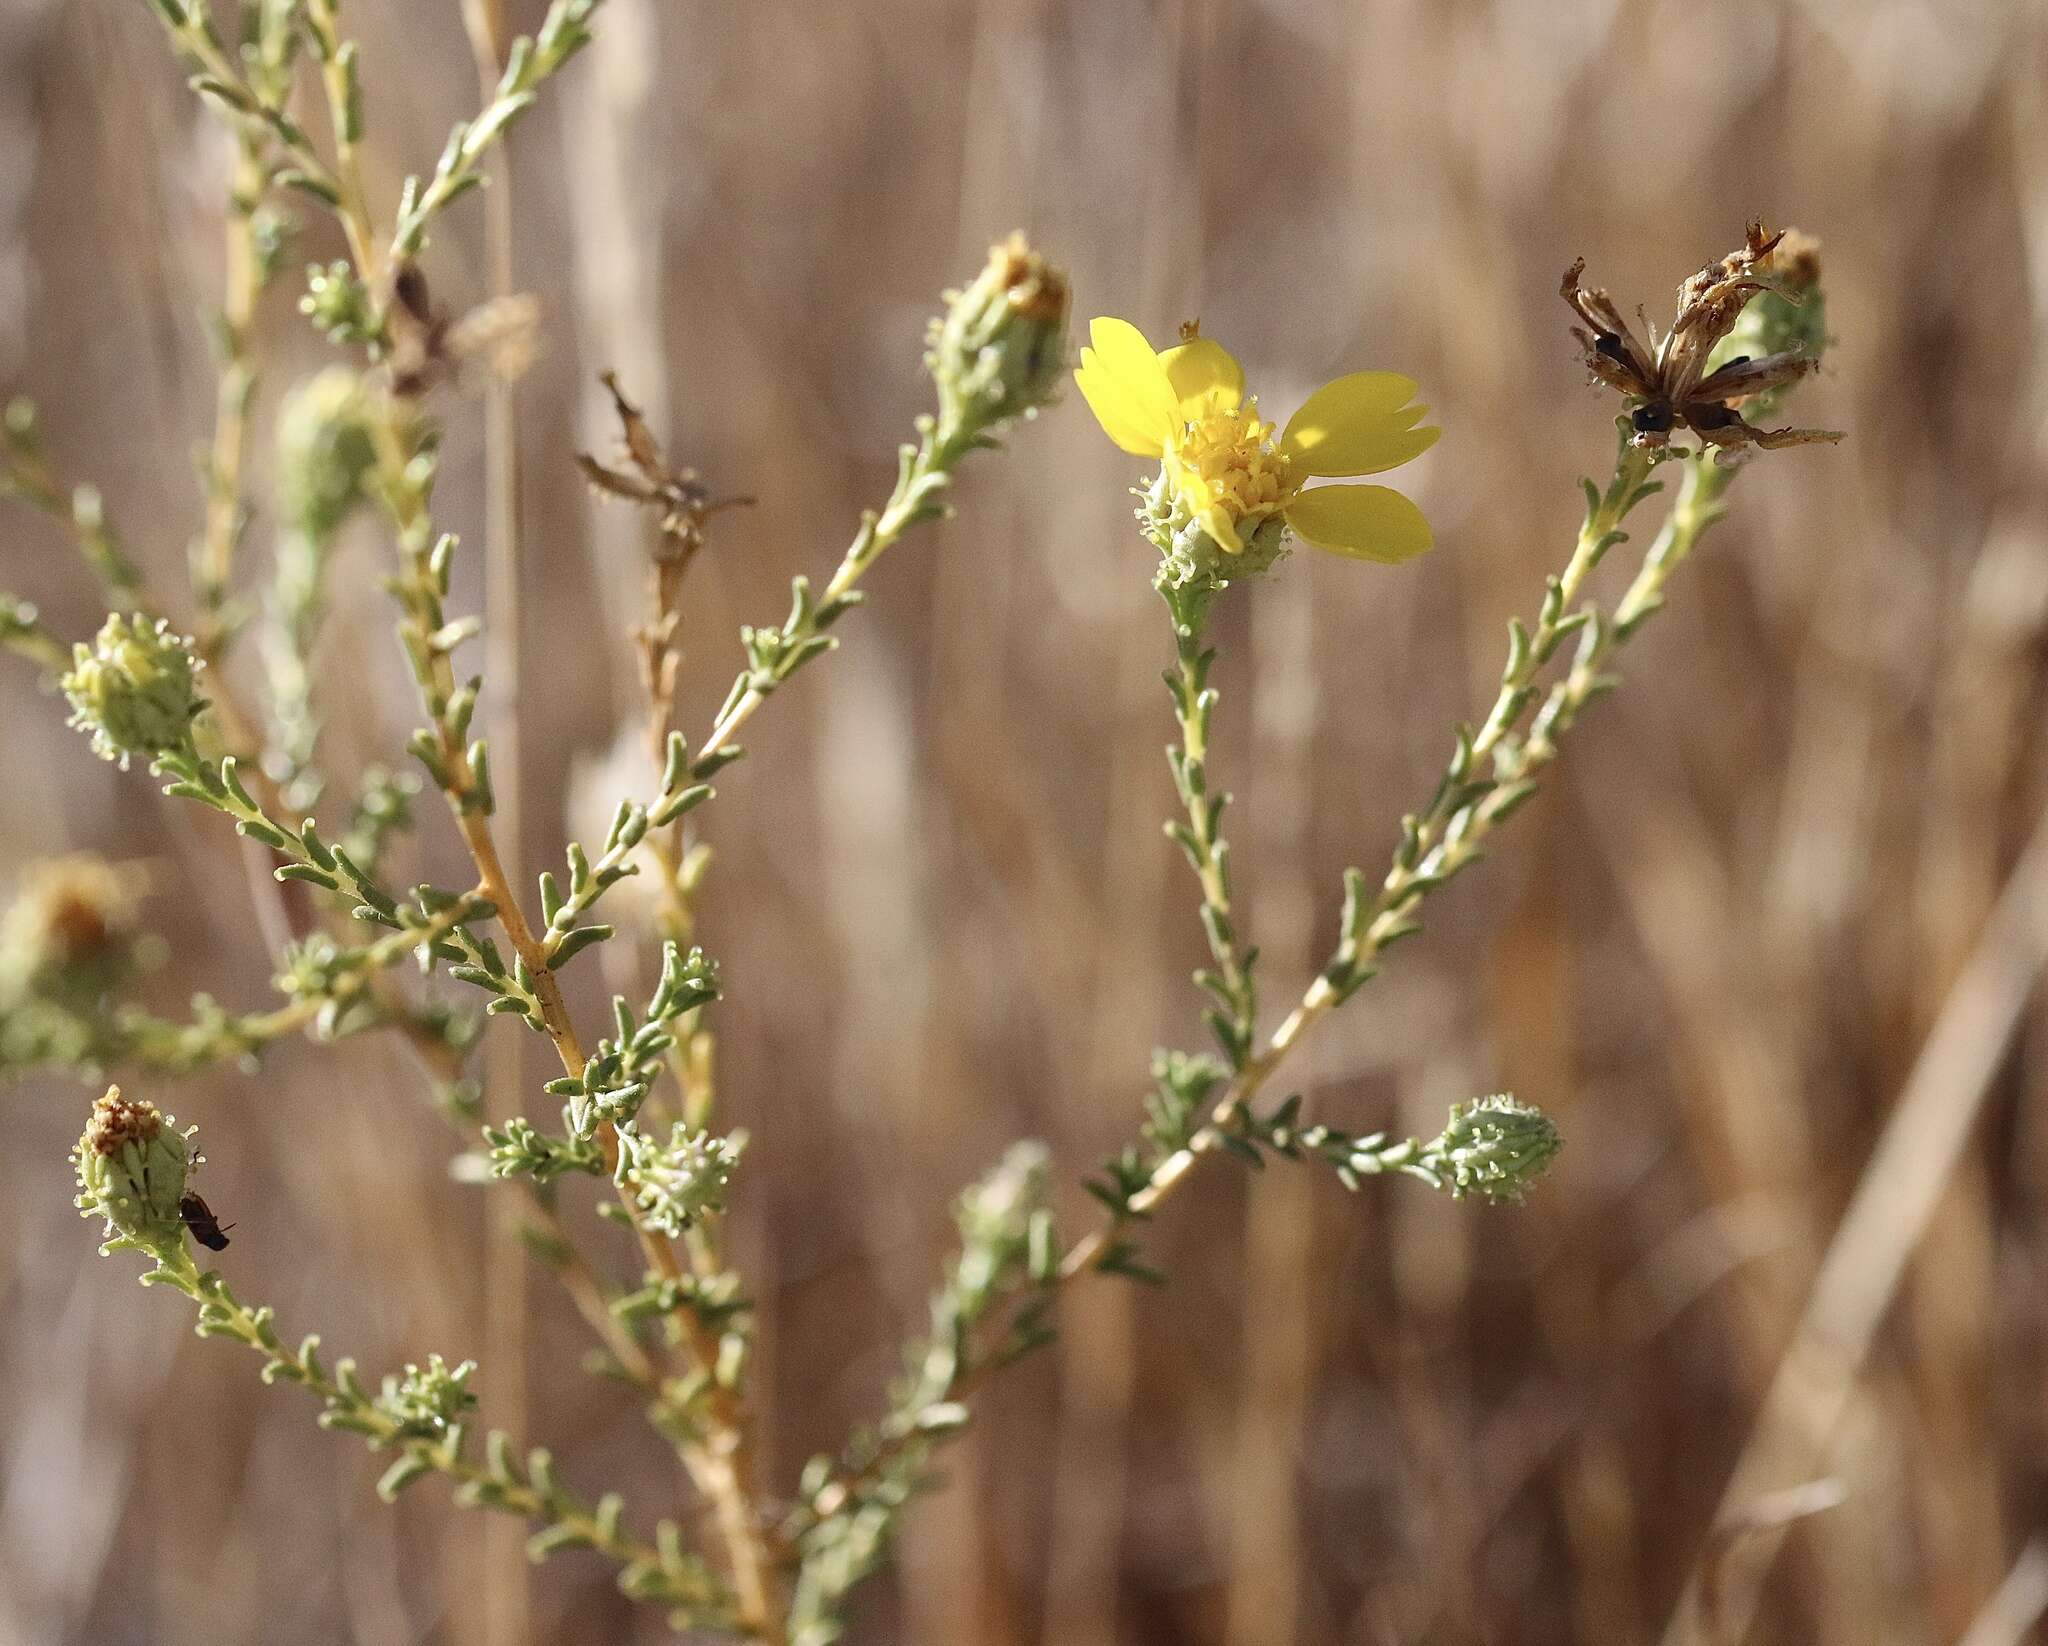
x: 133, y: 688
x: 1001, y: 344
x: 132, y: 1162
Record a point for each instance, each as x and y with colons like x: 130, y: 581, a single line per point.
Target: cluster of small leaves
x: 1185, y: 1087
x: 520, y: 1149
x: 563, y: 939
x: 420, y: 1414
x: 615, y: 1079
x: 774, y: 654
x: 319, y: 968
x: 847, y: 1511
x: 250, y: 85
x: 339, y: 305
x: 459, y: 767
x: 674, y: 1183
x: 383, y: 810
x: 432, y: 918
x: 564, y: 32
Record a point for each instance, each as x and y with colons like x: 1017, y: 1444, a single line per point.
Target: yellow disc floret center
x: 1224, y: 468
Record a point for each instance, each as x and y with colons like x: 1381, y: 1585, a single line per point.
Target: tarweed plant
x: 1222, y: 495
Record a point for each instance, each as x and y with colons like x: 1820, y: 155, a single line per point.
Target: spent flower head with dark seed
x: 1684, y: 380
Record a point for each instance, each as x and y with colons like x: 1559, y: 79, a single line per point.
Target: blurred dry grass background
x: 1714, y: 950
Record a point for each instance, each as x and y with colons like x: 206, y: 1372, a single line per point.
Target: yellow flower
x: 1188, y: 409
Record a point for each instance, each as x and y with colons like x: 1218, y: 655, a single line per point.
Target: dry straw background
x: 1716, y: 949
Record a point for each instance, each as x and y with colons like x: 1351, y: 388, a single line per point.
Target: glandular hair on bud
x: 1000, y: 347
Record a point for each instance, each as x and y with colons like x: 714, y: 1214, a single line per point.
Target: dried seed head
x: 118, y: 1121
x: 1692, y: 378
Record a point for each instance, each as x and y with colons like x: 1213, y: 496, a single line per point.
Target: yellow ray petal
x: 1359, y: 424
x: 1126, y: 387
x: 1217, y: 523
x: 1361, y: 522
x: 1203, y: 371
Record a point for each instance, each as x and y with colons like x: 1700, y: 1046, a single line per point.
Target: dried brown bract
x: 1669, y: 380
x: 644, y: 477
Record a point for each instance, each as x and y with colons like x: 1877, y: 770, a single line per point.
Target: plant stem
x: 344, y: 109
x: 213, y: 556
x: 1448, y: 835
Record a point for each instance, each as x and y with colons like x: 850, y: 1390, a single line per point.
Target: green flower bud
x: 133, y: 689
x: 1495, y: 1147
x: 324, y: 451
x: 675, y: 1183
x: 131, y: 1164
x: 1001, y: 345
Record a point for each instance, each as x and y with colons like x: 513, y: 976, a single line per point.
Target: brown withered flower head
x: 642, y: 475
x: 1669, y: 380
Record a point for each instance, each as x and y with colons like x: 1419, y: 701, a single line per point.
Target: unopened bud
x: 324, y: 451
x: 1495, y: 1147
x: 133, y: 688
x: 1000, y: 347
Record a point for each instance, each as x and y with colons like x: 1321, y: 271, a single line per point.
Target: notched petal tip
x: 1359, y: 424
x: 1361, y: 523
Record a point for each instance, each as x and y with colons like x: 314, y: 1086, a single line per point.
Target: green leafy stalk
x: 995, y: 356
x: 419, y: 1418
x: 1233, y: 1018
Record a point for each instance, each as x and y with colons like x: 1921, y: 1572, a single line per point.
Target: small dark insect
x: 426, y: 348
x: 1668, y: 378
x: 206, y: 1228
